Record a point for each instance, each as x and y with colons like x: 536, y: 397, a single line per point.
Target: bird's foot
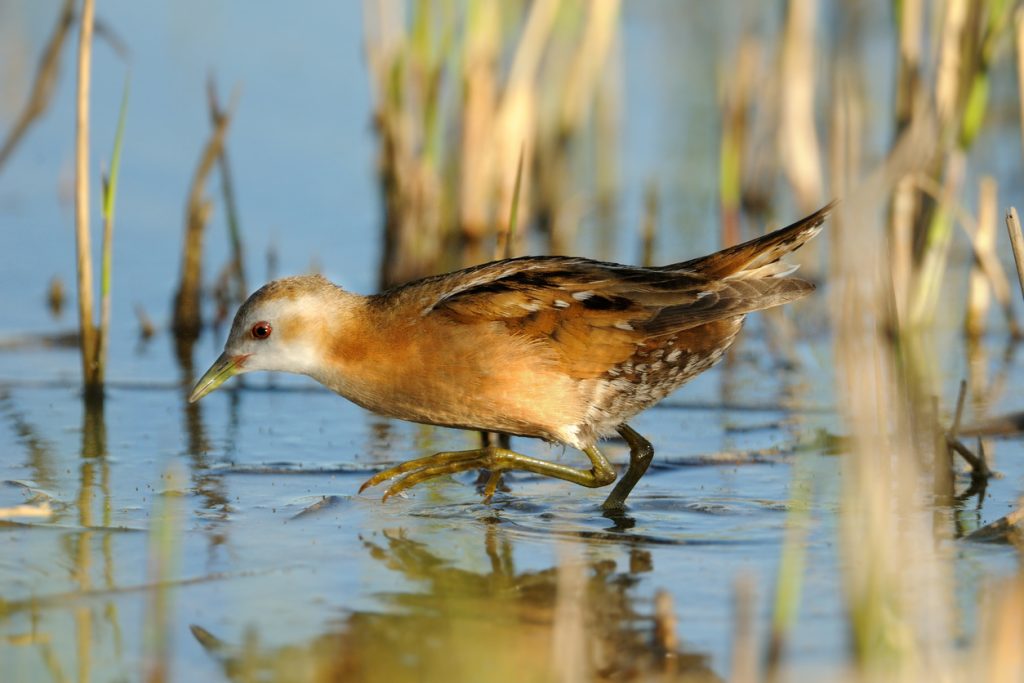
x: 411, y: 473
x: 496, y: 460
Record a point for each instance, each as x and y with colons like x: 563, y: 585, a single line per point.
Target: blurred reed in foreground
x: 165, y: 538
x: 896, y: 575
x: 769, y: 132
x: 889, y: 274
x: 958, y: 102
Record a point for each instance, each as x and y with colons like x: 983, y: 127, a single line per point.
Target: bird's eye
x: 261, y: 330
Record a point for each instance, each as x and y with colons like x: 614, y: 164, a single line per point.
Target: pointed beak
x: 222, y: 369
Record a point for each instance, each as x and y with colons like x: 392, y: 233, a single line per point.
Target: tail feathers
x: 776, y: 269
x: 736, y: 297
x: 759, y: 257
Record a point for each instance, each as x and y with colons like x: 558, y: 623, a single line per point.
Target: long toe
x: 431, y: 471
x: 436, y: 459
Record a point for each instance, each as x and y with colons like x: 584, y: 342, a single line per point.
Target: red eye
x: 261, y: 330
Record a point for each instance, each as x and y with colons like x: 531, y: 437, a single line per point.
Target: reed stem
x: 88, y: 343
x: 43, y: 84
x: 230, y: 205
x: 1017, y: 242
x: 107, y: 258
x: 187, y: 316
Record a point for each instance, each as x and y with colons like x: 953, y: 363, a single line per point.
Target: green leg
x: 640, y: 455
x: 496, y: 460
x: 488, y: 482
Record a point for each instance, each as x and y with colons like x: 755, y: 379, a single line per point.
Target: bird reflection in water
x: 575, y: 621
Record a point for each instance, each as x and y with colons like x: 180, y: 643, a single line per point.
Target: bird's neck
x: 354, y: 337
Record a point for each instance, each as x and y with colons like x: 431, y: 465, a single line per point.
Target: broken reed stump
x: 1007, y: 529
x: 187, y: 318
x: 1016, y: 242
x: 980, y: 472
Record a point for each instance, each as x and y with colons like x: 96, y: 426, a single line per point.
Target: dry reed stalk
x: 442, y: 199
x: 607, y: 164
x: 984, y: 239
x: 55, y: 296
x: 557, y: 137
x: 958, y: 415
x: 744, y: 667
x: 187, y: 306
x: 935, y: 240
x: 407, y: 92
x: 894, y: 578
x: 997, y: 653
x: 86, y: 325
x: 516, y: 117
x: 1019, y: 40
x: 666, y: 638
x: 164, y: 559
x: 1007, y: 529
x: 845, y: 143
x: 237, y: 266
x: 738, y: 95
x: 988, y: 20
x: 588, y: 63
x: 799, y: 150
x: 911, y: 22
x: 570, y: 658
x: 967, y: 49
x: 506, y: 232
x: 980, y: 472
x: 1017, y: 243
x: 649, y: 229
x: 987, y: 261
x: 905, y: 206
x: 42, y: 510
x: 44, y: 82
x: 949, y: 77
x: 480, y: 100
x: 979, y: 468
x: 789, y: 582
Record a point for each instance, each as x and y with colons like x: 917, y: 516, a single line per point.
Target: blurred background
x: 838, y: 500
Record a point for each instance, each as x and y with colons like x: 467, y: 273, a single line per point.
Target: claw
x: 430, y: 470
x: 415, y: 471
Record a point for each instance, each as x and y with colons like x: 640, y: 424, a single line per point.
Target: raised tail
x: 759, y: 257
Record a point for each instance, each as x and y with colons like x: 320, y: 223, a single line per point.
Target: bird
x: 560, y: 348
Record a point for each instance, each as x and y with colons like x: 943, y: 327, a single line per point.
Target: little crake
x: 558, y: 348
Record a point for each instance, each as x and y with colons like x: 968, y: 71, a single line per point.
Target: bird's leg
x: 640, y: 455
x: 487, y: 482
x: 496, y: 460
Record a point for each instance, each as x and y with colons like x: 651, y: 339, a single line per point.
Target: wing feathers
x: 595, y: 314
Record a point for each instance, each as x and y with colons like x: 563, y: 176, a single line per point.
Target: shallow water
x: 277, y: 568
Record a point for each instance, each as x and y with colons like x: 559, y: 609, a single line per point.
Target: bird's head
x: 280, y: 327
